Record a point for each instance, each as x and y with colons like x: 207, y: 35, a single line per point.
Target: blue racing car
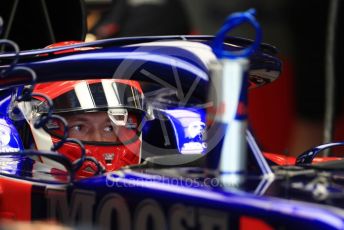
x: 151, y: 133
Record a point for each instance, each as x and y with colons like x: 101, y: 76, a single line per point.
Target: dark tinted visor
x: 97, y: 96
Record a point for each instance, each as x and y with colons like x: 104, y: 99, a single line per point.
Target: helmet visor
x: 95, y: 95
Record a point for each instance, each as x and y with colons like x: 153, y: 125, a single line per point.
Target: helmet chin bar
x: 119, y: 116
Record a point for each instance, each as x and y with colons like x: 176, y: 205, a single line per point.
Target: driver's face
x: 95, y: 126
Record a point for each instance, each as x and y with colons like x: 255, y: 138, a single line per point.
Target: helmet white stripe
x: 112, y: 99
x: 83, y: 93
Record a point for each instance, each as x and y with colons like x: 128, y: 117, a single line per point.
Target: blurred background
x: 286, y: 116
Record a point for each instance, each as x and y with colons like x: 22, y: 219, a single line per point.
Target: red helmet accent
x: 110, y: 157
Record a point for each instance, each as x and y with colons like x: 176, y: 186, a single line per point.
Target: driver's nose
x: 97, y: 136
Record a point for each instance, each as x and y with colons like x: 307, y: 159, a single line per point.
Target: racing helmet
x: 106, y: 115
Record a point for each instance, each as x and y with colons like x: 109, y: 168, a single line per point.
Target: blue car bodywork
x: 172, y: 188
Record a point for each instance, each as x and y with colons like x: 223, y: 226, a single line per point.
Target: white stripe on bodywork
x: 84, y: 95
x: 42, y: 139
x: 202, y: 51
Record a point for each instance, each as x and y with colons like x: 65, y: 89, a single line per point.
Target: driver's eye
x: 77, y: 128
x: 108, y: 128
